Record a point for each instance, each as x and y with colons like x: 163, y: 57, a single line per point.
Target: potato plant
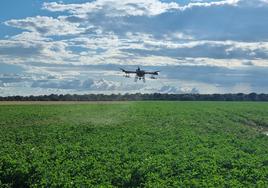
x: 134, y: 144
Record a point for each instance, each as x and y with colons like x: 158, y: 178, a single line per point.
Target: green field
x: 134, y: 144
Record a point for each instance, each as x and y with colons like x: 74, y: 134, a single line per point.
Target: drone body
x: 140, y: 74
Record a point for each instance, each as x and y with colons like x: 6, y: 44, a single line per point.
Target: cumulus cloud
x: 75, y: 84
x: 171, y: 48
x: 173, y: 79
x: 32, y: 47
x: 90, y: 43
x: 13, y: 78
x: 114, y: 8
x: 248, y: 63
x: 209, y: 4
x: 177, y: 90
x: 131, y: 49
x: 170, y: 34
x: 46, y: 25
x: 2, y: 84
x: 104, y: 85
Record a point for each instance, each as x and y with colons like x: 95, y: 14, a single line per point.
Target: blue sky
x: 78, y: 46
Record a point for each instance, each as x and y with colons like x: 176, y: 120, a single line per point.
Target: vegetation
x: 134, y: 144
x: 141, y: 97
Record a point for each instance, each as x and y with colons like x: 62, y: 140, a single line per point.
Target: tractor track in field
x: 260, y: 126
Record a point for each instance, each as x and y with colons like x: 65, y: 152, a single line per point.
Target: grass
x: 134, y: 144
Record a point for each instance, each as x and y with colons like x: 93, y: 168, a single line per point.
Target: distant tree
x: 139, y: 96
x: 253, y: 97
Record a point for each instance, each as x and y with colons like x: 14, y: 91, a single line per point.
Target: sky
x: 79, y: 46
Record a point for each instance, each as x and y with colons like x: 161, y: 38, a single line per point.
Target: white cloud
x: 104, y: 47
x: 103, y: 85
x: 29, y: 36
x: 131, y: 49
x: 33, y: 47
x: 113, y: 8
x: 89, y: 85
x: 209, y: 4
x: 137, y: 32
x: 2, y: 84
x: 242, y: 88
x: 177, y: 90
x: 46, y: 25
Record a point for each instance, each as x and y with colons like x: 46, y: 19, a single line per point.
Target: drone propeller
x: 156, y: 72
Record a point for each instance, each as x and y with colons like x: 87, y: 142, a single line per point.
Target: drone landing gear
x: 139, y: 78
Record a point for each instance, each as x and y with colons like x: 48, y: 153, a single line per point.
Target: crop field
x: 134, y: 144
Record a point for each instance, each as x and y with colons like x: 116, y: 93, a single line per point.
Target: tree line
x: 141, y: 97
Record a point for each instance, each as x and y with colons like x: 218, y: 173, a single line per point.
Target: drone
x: 140, y: 74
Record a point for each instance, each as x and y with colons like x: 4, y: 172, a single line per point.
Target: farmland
x: 134, y: 144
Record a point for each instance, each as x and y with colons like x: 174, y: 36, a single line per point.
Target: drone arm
x: 128, y: 72
x: 153, y: 73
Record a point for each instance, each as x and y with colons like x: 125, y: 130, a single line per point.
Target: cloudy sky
x: 78, y: 46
